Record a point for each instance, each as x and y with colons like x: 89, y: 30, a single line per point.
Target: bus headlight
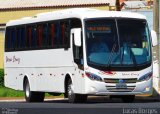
x: 93, y: 76
x: 145, y: 77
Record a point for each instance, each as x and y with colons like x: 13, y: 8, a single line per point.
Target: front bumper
x: 102, y: 88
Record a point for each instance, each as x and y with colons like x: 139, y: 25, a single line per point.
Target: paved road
x: 98, y: 105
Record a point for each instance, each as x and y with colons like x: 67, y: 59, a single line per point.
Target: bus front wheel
x: 31, y: 96
x: 73, y: 97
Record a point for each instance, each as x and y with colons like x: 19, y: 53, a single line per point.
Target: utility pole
x: 156, y: 28
x: 156, y: 17
x: 118, y: 7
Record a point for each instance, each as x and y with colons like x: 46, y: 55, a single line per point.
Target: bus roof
x: 81, y: 13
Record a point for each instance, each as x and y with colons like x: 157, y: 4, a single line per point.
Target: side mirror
x: 77, y: 36
x: 154, y: 38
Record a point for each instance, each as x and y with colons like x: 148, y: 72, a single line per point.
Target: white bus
x: 79, y: 52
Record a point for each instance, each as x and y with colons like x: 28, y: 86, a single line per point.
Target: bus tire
x: 128, y: 98
x: 72, y: 97
x: 31, y: 96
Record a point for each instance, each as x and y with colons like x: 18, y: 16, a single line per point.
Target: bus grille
x: 114, y: 89
x: 131, y: 80
x: 129, y: 88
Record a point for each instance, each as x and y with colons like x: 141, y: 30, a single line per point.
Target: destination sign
x: 99, y: 28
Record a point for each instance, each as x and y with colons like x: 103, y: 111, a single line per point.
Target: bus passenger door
x: 78, y: 63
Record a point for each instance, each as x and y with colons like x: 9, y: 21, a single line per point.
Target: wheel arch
x: 67, y: 77
x: 24, y: 79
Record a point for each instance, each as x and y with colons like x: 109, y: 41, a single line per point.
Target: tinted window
x: 39, y: 35
x: 42, y: 35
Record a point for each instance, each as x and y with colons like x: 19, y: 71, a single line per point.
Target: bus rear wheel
x: 31, y: 96
x: 72, y: 97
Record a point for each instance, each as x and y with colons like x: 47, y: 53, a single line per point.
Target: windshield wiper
x: 96, y: 64
x: 131, y: 54
x: 111, y: 55
x: 114, y: 46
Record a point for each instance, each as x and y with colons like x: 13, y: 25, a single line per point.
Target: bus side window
x: 18, y: 39
x: 67, y: 29
x: 52, y: 35
x: 58, y: 35
x: 34, y: 37
x: 8, y: 40
x: 23, y: 37
x: 45, y: 35
x: 65, y: 33
x: 29, y: 36
x: 62, y: 30
x: 62, y: 33
x: 39, y: 36
x: 13, y: 38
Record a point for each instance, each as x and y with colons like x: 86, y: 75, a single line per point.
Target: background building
x: 15, y: 9
x: 132, y: 5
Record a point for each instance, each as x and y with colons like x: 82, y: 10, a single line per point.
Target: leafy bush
x: 7, y: 92
x: 1, y: 77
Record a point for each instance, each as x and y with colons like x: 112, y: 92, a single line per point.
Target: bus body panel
x: 46, y: 71
x: 102, y: 88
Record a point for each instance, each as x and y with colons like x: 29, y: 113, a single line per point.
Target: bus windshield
x: 117, y: 42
